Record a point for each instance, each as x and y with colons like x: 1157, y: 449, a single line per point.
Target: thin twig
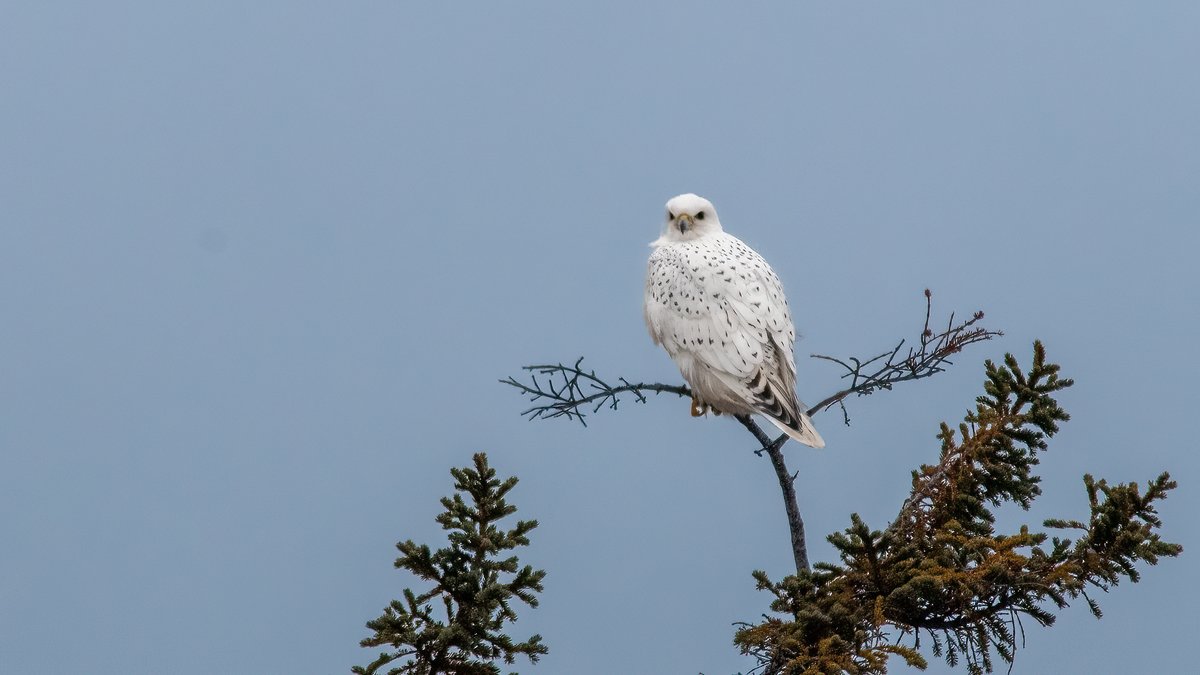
x: 934, y: 353
x: 564, y: 386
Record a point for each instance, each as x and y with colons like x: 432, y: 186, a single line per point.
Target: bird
x: 719, y: 310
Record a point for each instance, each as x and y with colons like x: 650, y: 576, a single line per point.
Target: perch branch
x: 559, y: 390
x: 787, y: 485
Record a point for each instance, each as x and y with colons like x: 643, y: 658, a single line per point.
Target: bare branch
x: 575, y: 393
x: 567, y: 391
x: 889, y: 368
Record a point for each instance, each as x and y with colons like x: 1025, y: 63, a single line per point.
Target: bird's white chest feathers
x: 717, y: 279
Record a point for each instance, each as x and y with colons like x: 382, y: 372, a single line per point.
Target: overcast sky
x: 262, y: 265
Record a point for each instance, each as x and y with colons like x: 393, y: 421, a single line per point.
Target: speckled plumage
x: 720, y: 312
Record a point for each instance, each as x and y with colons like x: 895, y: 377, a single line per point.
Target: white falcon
x: 719, y: 310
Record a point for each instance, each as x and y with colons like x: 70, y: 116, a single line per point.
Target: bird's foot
x: 699, y: 409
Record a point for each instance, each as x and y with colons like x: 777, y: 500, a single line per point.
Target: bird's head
x: 689, y: 217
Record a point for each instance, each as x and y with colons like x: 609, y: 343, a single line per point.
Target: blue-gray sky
x: 262, y: 264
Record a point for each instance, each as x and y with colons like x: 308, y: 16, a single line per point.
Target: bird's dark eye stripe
x: 700, y: 216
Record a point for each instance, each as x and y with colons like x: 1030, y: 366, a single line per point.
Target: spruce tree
x: 456, y: 627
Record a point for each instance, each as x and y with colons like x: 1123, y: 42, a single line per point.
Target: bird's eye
x: 670, y: 216
x: 700, y: 216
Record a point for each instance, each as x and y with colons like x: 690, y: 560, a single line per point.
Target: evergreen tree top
x: 473, y: 586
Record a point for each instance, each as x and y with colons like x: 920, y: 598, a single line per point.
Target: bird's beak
x: 684, y: 222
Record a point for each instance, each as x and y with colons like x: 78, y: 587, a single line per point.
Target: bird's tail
x: 800, y: 428
x: 778, y: 403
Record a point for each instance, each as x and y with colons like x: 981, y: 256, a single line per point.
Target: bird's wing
x: 760, y: 302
